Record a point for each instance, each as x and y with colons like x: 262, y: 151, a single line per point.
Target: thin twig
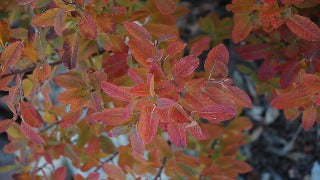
x: 50, y: 126
x: 288, y: 146
x: 27, y: 70
x: 161, y: 169
x: 109, y: 159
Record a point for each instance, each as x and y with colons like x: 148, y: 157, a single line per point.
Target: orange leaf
x: 165, y: 6
x: 138, y: 32
x: 148, y: 124
x: 4, y: 125
x: 46, y: 18
x: 11, y: 54
x: 113, y: 171
x: 42, y: 72
x: 70, y: 80
x: 88, y: 27
x: 199, y: 46
x: 141, y: 51
x: 217, y: 54
x: 311, y: 82
x: 30, y: 115
x: 108, y: 117
x: 197, y: 132
x: 70, y: 52
x: 303, y: 27
x: 218, y: 112
x: 69, y: 119
x: 5, y: 32
x: 106, y: 24
x: 31, y: 134
x: 185, y: 67
x: 116, y: 91
x: 239, y: 97
x: 136, y: 143
x: 58, y: 22
x: 309, y: 117
x: 243, y: 26
x: 291, y: 99
x: 177, y: 134
x: 12, y: 147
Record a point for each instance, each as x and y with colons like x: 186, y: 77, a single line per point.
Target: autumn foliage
x: 82, y: 74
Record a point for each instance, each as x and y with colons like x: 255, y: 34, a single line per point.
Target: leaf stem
x: 161, y: 169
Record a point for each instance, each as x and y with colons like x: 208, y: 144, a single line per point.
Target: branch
x: 109, y: 159
x: 27, y: 70
x: 161, y: 169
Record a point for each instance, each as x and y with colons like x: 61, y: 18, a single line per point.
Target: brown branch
x: 109, y: 159
x: 27, y: 70
x: 161, y: 169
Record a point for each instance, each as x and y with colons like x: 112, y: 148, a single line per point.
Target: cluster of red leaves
x: 125, y: 75
x: 289, y: 45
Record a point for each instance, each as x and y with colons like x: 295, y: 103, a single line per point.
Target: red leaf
x: 59, y: 22
x: 113, y: 171
x: 289, y: 74
x: 140, y: 90
x: 175, y: 48
x: 309, y: 117
x: 185, y: 67
x: 239, y: 97
x: 60, y: 173
x: 165, y: 6
x: 218, y: 112
x: 199, y: 46
x: 136, y: 143
x: 243, y: 26
x: 177, y: 134
x: 148, y: 124
x: 87, y: 27
x: 46, y: 18
x: 303, y: 27
x: 255, y: 51
x: 113, y: 116
x: 116, y: 64
x: 31, y: 134
x: 138, y: 32
x: 178, y: 114
x: 197, y: 132
x: 30, y: 115
x: 290, y: 100
x: 165, y: 103
x: 217, y: 54
x: 69, y: 119
x: 70, y: 53
x: 116, y: 91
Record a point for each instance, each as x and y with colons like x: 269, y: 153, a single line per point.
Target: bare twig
x: 109, y: 159
x: 27, y: 70
x: 161, y: 169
